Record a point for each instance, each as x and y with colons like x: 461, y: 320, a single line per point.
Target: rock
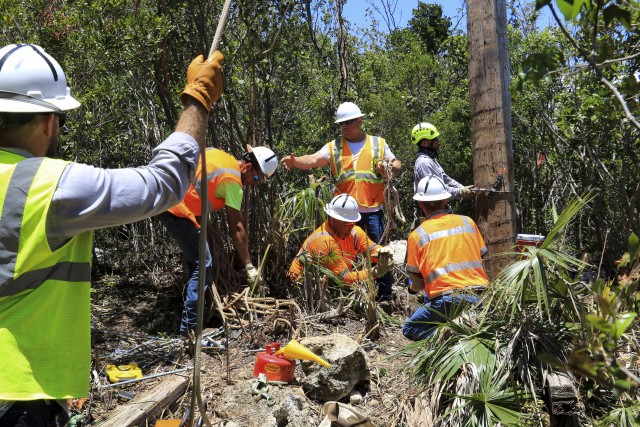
x: 400, y: 251
x: 355, y: 397
x: 348, y: 367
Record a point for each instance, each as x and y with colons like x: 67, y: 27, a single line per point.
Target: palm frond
x: 624, y: 416
x: 526, y: 280
x: 498, y: 398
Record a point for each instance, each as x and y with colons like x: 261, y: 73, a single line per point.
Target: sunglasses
x: 348, y: 122
x: 62, y: 118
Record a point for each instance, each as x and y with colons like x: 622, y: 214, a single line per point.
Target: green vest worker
x: 48, y: 209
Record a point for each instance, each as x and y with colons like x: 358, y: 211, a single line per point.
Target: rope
x: 224, y: 17
x: 390, y: 195
x: 196, y: 394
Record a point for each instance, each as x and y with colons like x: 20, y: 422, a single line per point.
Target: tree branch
x: 597, y: 70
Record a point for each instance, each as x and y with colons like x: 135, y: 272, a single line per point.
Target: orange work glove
x: 204, y: 80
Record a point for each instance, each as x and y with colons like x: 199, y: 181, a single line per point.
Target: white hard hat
x: 343, y: 207
x: 431, y: 188
x: 31, y: 81
x: 266, y: 159
x: 347, y: 111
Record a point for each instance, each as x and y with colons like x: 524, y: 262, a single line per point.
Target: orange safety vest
x: 334, y: 254
x: 220, y: 166
x: 361, y: 182
x: 447, y: 251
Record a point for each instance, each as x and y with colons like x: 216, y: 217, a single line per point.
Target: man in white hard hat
x: 360, y: 164
x: 444, y: 258
x: 226, y: 178
x: 337, y: 243
x: 48, y: 211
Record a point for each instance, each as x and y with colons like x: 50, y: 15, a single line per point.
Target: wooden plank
x: 146, y: 405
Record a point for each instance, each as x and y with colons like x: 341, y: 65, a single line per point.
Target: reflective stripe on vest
x: 44, y: 293
x: 466, y: 228
x: 426, y: 238
x: 361, y: 181
x: 449, y: 268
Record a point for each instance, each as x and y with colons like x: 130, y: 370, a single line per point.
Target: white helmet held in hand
x: 431, y: 188
x: 31, y: 81
x: 347, y: 111
x: 266, y: 159
x: 343, y: 207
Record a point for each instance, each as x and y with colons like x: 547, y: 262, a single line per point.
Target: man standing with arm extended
x: 225, y: 178
x: 48, y: 211
x: 444, y: 258
x: 359, y: 163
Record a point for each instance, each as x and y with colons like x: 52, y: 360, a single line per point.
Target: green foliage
x: 526, y: 280
x: 625, y: 416
x: 432, y: 27
x: 496, y: 401
x: 537, y: 66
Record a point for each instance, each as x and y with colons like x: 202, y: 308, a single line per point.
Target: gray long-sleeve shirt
x: 426, y: 164
x: 89, y: 198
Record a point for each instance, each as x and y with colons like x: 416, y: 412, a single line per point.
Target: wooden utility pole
x: 491, y: 128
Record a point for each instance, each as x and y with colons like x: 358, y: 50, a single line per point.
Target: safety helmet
x: 343, y: 207
x: 347, y: 111
x: 31, y: 81
x: 265, y: 158
x: 423, y: 131
x: 430, y: 189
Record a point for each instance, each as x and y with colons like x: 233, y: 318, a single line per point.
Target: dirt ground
x: 138, y: 323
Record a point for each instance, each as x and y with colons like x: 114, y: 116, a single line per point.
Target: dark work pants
x: 373, y: 224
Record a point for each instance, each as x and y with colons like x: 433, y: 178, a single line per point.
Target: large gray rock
x: 348, y: 367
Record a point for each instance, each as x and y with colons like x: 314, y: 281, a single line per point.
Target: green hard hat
x: 423, y: 131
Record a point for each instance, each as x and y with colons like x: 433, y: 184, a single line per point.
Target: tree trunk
x: 491, y: 127
x: 342, y: 52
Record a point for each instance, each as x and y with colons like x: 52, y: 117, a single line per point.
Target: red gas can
x: 275, y: 367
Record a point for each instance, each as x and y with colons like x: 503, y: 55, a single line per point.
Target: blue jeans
x: 187, y: 237
x: 424, y: 321
x: 373, y: 224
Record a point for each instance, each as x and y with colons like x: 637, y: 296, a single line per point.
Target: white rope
x: 196, y: 394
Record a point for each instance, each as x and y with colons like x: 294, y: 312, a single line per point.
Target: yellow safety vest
x: 45, y: 319
x: 360, y: 181
x: 220, y: 166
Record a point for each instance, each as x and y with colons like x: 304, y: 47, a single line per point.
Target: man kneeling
x: 444, y: 258
x: 337, y: 243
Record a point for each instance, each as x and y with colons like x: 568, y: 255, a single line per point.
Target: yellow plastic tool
x: 117, y: 373
x: 295, y: 350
